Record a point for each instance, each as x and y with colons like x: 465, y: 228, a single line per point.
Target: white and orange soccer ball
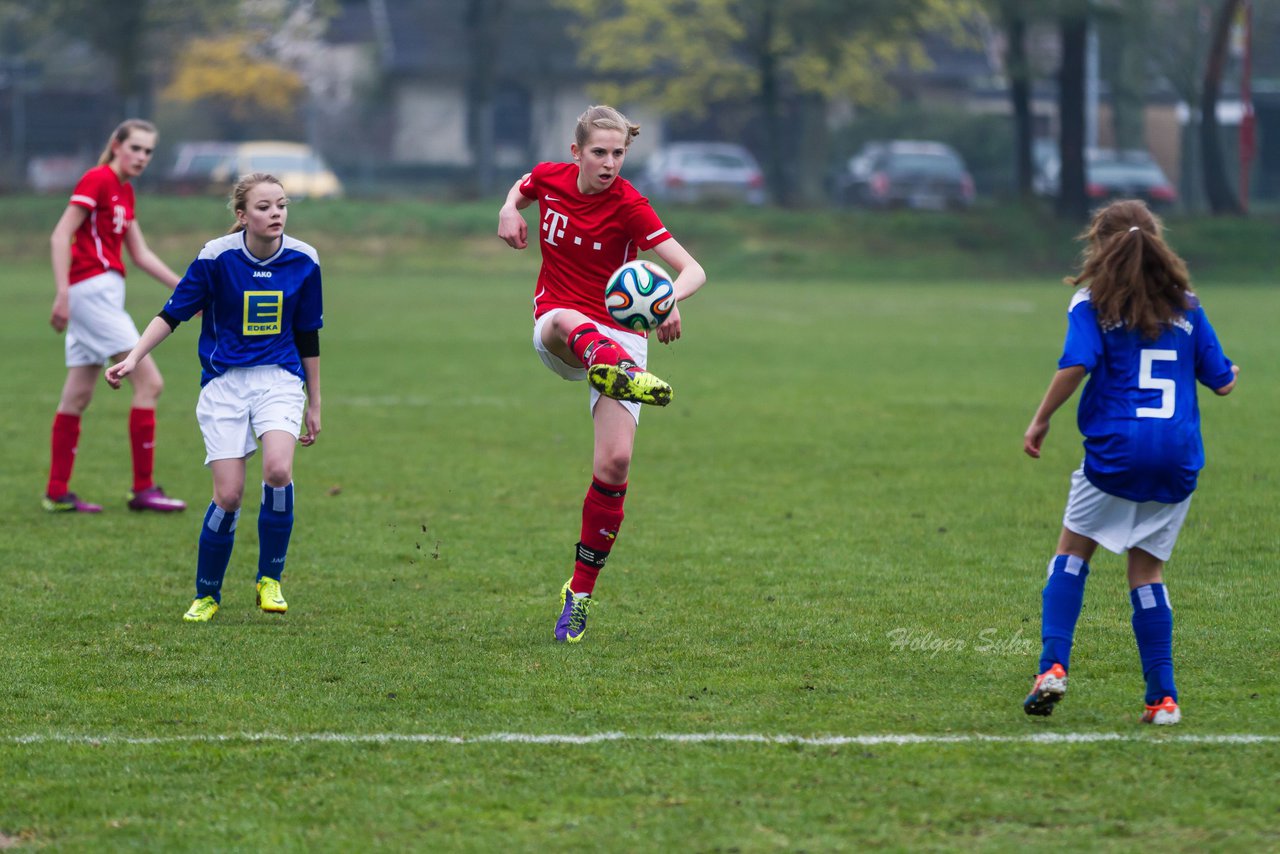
x: 639, y: 295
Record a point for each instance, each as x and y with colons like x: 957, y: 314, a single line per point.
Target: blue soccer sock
x: 1061, y: 602
x: 1153, y: 629
x: 275, y: 525
x: 217, y: 537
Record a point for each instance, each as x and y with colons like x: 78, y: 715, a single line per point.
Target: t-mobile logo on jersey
x: 117, y: 219
x: 553, y: 224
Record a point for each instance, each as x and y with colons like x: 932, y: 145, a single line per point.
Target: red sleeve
x: 529, y: 187
x: 88, y: 190
x: 643, y: 224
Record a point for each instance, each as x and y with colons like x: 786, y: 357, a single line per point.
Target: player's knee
x: 228, y: 501
x: 276, y: 474
x: 75, y: 401
x: 148, y: 386
x: 614, y: 467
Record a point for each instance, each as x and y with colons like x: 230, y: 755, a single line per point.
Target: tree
x: 789, y: 57
x: 1222, y: 198
x: 140, y: 38
x: 1188, y: 32
x: 484, y: 19
x: 1073, y: 25
x: 131, y: 34
x: 1124, y: 36
x: 1013, y: 16
x: 226, y: 74
x: 271, y: 45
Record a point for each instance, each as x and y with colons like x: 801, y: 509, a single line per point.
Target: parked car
x: 213, y: 167
x: 1128, y: 175
x: 906, y: 173
x: 1112, y: 174
x: 695, y: 172
x: 53, y: 173
x: 194, y: 167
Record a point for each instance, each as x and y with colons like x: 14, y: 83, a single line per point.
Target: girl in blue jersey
x: 259, y: 290
x: 1141, y: 334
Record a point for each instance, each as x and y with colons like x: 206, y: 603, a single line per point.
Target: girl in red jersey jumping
x: 88, y: 275
x: 591, y: 221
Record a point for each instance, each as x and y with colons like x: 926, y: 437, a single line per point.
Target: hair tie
x: 1134, y: 228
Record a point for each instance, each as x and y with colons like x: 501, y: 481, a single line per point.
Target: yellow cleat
x: 270, y: 599
x: 625, y: 381
x: 201, y: 610
x: 574, y: 608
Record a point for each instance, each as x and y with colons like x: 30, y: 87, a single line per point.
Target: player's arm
x: 1211, y: 363
x: 689, y: 273
x: 689, y: 278
x: 146, y: 260
x: 160, y: 328
x: 1061, y: 387
x: 60, y: 250
x: 311, y: 417
x: 1226, y: 389
x: 308, y: 344
x: 511, y: 225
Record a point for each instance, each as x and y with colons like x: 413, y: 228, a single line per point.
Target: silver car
x: 696, y: 172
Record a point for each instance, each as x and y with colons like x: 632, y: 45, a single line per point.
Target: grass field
x: 833, y: 541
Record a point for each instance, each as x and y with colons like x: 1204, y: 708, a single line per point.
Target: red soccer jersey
x: 100, y: 237
x: 585, y: 237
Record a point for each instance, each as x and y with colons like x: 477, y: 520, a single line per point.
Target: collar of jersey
x: 254, y: 259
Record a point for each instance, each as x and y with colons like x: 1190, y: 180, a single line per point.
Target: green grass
x: 854, y: 548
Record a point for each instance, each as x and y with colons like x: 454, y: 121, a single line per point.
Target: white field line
x: 1146, y: 737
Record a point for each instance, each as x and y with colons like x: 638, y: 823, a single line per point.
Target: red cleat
x: 1163, y: 713
x: 1049, y: 688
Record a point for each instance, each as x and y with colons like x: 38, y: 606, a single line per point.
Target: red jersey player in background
x: 591, y: 221
x: 88, y: 275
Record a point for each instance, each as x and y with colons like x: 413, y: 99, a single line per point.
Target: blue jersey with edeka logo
x: 1138, y: 412
x: 252, y: 306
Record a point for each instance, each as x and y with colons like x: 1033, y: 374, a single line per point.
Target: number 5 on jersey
x: 1166, y: 386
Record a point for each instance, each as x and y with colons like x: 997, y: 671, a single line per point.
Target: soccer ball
x: 639, y: 295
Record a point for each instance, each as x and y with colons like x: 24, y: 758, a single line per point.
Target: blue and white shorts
x: 242, y: 404
x: 99, y: 327
x: 1119, y: 524
x: 636, y: 345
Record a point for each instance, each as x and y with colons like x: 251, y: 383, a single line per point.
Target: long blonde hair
x: 121, y: 133
x: 240, y: 192
x: 1135, y: 280
x: 603, y: 117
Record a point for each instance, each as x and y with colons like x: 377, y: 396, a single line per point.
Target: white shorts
x: 636, y: 345
x: 244, y: 403
x: 99, y: 327
x: 1119, y: 524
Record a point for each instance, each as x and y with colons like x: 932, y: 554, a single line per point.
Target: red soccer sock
x: 601, y: 519
x: 65, y: 439
x: 142, y: 438
x: 592, y: 347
